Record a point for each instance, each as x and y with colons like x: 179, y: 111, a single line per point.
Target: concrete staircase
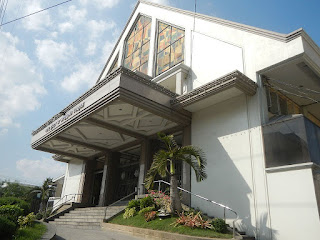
x: 89, y: 217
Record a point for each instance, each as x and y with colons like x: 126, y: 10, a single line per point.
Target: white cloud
x: 85, y: 75
x: 101, y: 3
x: 91, y: 48
x: 38, y: 21
x: 38, y: 170
x: 21, y: 84
x: 65, y: 27
x: 97, y: 28
x: 52, y: 53
x: 74, y: 15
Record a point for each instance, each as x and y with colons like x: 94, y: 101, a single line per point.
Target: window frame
x: 155, y: 52
x: 124, y: 45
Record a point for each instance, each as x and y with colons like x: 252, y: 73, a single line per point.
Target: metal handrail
x: 208, y: 200
x: 105, y: 210
x: 65, y: 196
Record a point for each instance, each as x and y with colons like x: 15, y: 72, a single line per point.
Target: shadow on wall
x: 222, y: 132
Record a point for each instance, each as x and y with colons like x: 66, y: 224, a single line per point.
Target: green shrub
x: 134, y: 204
x: 145, y: 210
x: 39, y: 216
x: 27, y: 220
x: 15, y: 201
x: 146, y: 202
x: 12, y: 212
x: 129, y: 212
x: 7, y: 227
x: 219, y: 225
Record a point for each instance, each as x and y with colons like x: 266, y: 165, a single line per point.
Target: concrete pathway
x: 65, y: 233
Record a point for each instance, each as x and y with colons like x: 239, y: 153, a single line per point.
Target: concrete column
x: 113, y: 178
x: 144, y: 165
x: 186, y: 169
x: 104, y: 184
x: 88, y: 182
x: 179, y: 83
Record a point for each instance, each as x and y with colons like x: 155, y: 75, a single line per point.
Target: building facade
x: 246, y: 96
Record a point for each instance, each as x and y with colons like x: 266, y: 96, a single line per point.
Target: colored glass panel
x: 146, y: 21
x: 137, y: 41
x: 176, y: 34
x: 139, y: 24
x: 137, y: 46
x: 164, y: 39
x: 163, y: 61
x: 129, y: 48
x: 145, y: 53
x: 136, y: 59
x: 144, y: 68
x: 177, y: 50
x: 162, y: 26
x: 127, y: 62
x: 146, y: 33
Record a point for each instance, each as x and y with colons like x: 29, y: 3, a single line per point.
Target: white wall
x: 212, y: 58
x: 293, y: 206
x: 222, y: 132
x: 73, y: 178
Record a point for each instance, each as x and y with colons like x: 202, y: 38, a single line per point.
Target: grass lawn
x: 164, y: 225
x: 31, y: 233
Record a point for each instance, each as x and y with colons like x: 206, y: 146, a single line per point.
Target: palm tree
x: 171, y: 155
x: 45, y: 190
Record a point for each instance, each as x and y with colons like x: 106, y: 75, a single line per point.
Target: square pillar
x: 103, y: 189
x: 186, y: 169
x: 88, y: 181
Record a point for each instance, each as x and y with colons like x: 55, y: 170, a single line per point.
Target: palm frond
x: 195, y: 157
x: 158, y: 166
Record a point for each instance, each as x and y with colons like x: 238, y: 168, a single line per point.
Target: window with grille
x: 137, y: 46
x: 170, y: 49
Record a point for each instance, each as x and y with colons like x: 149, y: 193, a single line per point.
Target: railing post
x: 224, y: 214
x: 159, y: 186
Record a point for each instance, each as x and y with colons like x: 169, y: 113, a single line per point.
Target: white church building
x: 248, y: 97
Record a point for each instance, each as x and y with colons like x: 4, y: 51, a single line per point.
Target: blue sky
x: 49, y: 59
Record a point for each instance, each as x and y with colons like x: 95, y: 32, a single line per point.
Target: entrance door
x: 96, y: 187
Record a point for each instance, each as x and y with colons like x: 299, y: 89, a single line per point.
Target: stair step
x: 78, y: 226
x: 84, y: 214
x: 78, y: 223
x: 80, y: 216
x: 96, y: 220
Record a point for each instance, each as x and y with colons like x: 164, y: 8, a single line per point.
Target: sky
x: 51, y: 58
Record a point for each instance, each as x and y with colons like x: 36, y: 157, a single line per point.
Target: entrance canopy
x: 115, y: 114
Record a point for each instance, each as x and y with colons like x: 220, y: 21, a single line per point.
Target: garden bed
x: 34, y: 232
x: 167, y: 225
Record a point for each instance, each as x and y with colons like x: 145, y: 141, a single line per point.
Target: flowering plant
x: 161, y: 200
x: 193, y: 221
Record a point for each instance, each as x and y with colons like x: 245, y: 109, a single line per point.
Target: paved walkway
x: 64, y: 233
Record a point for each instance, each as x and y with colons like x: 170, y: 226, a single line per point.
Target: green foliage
x: 173, y: 154
x: 7, y: 227
x: 129, y: 212
x: 149, y: 216
x: 39, y: 216
x: 16, y: 201
x: 219, y: 225
x: 31, y: 233
x: 145, y: 210
x: 134, y: 204
x: 146, y: 202
x: 26, y: 221
x: 12, y: 212
x: 15, y: 190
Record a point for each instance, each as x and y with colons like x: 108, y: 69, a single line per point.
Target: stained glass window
x: 170, y: 50
x: 137, y: 46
